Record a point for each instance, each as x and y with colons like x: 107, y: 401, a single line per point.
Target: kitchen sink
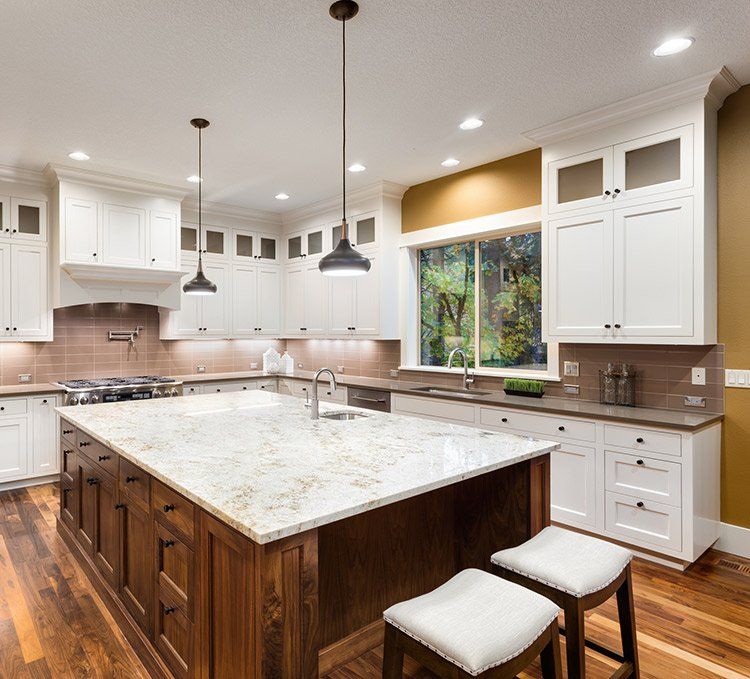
x: 448, y: 391
x: 338, y: 415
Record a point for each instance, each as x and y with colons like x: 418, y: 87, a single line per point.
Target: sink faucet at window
x: 314, y: 401
x: 468, y: 381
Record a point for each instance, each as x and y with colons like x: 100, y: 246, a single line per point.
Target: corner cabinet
x: 629, y: 225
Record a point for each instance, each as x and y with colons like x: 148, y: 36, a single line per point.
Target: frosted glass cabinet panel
x: 584, y: 180
x: 28, y: 219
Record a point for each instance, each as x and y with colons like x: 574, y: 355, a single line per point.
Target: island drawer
x: 97, y: 453
x: 554, y: 427
x: 643, y: 477
x: 68, y: 432
x: 69, y: 460
x: 174, y: 510
x: 174, y: 569
x: 134, y: 480
x: 12, y: 406
x: 643, y: 439
x: 173, y: 635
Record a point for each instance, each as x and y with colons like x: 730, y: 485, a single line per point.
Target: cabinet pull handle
x: 67, y: 490
x: 168, y: 508
x: 639, y: 440
x: 368, y: 400
x: 561, y: 428
x: 131, y: 479
x: 92, y: 481
x: 83, y: 444
x: 607, y: 325
x: 639, y: 462
x: 639, y: 504
x: 120, y: 505
x: 607, y: 193
x: 168, y: 544
x: 102, y: 458
x: 67, y: 452
x: 67, y: 431
x: 169, y: 610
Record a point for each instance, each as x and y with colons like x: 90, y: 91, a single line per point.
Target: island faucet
x: 468, y: 381
x: 314, y: 402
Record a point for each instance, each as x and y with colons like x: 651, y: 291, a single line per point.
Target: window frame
x: 411, y: 321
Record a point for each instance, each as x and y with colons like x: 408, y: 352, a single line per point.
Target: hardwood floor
x: 52, y: 623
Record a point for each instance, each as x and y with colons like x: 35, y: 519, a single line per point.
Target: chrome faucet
x: 468, y: 381
x: 314, y: 402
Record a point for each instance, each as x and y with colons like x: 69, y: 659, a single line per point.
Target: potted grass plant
x: 514, y: 386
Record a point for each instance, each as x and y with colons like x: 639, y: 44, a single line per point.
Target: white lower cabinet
x: 643, y: 522
x: 573, y: 486
x: 28, y: 437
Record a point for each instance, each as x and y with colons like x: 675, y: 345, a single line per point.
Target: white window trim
x: 497, y: 225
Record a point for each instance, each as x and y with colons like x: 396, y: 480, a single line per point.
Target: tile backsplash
x: 81, y: 349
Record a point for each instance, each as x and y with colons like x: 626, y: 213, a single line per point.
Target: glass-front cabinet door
x: 28, y: 219
x: 188, y: 240
x: 581, y: 181
x: 294, y: 245
x: 267, y: 248
x: 5, y: 216
x: 215, y: 242
x: 654, y: 164
x: 314, y: 242
x: 244, y: 245
x: 363, y: 232
x: 252, y: 246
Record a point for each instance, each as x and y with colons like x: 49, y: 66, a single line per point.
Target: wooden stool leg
x: 626, y: 613
x: 551, y: 662
x: 575, y: 640
x: 393, y: 654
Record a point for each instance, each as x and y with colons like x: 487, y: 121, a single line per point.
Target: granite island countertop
x: 258, y: 462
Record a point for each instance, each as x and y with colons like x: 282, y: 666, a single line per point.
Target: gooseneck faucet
x: 468, y: 381
x: 314, y: 400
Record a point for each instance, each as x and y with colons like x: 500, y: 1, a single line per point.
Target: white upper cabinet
x: 187, y: 321
x: 28, y: 219
x: 188, y: 240
x: 81, y: 243
x: 251, y: 246
x: 581, y: 181
x: 124, y: 232
x: 201, y: 316
x: 244, y: 301
x: 653, y: 270
x: 5, y: 322
x: 367, y: 301
x: 341, y: 296
x: 305, y: 302
x: 269, y: 300
x: 216, y: 308
x: 29, y: 309
x: 162, y: 240
x: 5, y: 216
x: 363, y: 231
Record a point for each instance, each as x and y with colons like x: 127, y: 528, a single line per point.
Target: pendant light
x: 344, y: 260
x: 200, y: 285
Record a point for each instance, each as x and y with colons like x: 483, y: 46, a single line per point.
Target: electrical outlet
x: 24, y: 377
x: 253, y: 366
x: 571, y: 388
x: 201, y: 369
x: 393, y: 373
x: 571, y: 368
x: 339, y: 368
x: 699, y: 376
x: 695, y: 401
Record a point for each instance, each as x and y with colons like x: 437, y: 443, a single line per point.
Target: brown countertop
x: 656, y: 417
x: 29, y: 389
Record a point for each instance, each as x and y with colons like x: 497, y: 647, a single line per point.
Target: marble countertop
x: 258, y: 462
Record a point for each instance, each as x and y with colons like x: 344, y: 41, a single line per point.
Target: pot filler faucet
x: 468, y: 381
x: 314, y: 401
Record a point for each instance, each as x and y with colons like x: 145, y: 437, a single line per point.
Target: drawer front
x: 300, y: 388
x: 134, y: 480
x: 643, y: 439
x: 13, y: 407
x: 325, y: 393
x: 68, y: 503
x: 461, y: 413
x: 643, y: 478
x: 69, y: 460
x: 552, y: 427
x: 266, y: 385
x: 173, y: 634
x: 174, y: 569
x: 652, y: 524
x: 227, y: 387
x: 192, y: 390
x: 174, y: 510
x: 102, y: 456
x: 68, y: 432
x: 371, y: 399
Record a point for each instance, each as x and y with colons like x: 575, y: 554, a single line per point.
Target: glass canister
x: 626, y: 386
x: 608, y: 384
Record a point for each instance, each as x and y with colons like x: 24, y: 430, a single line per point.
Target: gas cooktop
x: 115, y: 382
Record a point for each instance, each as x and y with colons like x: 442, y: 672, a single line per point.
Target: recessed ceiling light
x: 673, y: 46
x: 357, y: 167
x: 450, y: 162
x: 471, y: 124
x: 194, y: 179
x: 282, y: 196
x: 78, y: 155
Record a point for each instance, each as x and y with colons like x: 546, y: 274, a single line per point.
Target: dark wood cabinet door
x: 69, y: 502
x: 174, y: 568
x: 173, y: 636
x: 106, y: 543
x: 86, y: 515
x: 136, y: 577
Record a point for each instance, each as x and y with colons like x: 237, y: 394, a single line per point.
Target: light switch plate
x: 695, y: 401
x: 201, y: 369
x: 24, y: 377
x: 737, y: 378
x: 699, y: 376
x: 571, y: 368
x: 393, y: 373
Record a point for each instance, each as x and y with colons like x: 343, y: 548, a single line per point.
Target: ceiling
x: 120, y: 80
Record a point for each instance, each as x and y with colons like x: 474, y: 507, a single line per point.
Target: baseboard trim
x: 26, y: 483
x: 734, y: 539
x: 347, y: 649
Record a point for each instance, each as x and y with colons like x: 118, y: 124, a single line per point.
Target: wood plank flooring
x: 52, y: 623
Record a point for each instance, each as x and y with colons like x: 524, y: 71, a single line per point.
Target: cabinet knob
x: 131, y: 479
x: 153, y: 259
x: 245, y: 388
x: 102, y: 458
x: 503, y: 419
x: 561, y: 428
x: 639, y: 462
x: 607, y: 326
x: 120, y: 505
x: 639, y: 440
x: 169, y: 610
x: 168, y: 508
x: 607, y: 193
x: 168, y: 544
x: 94, y: 255
x: 83, y: 444
x: 2, y: 407
x: 14, y: 329
x: 44, y: 400
x: 92, y: 481
x: 617, y: 191
x: 67, y: 490
x: 639, y: 504
x: 617, y: 325
x: 67, y: 452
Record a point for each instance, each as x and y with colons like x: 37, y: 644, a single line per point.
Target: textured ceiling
x: 120, y: 80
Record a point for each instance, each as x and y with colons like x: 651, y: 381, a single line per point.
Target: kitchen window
x: 484, y: 296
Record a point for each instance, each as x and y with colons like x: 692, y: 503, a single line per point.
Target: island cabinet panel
x: 173, y: 510
x: 135, y: 481
x: 226, y: 611
x: 100, y: 455
x: 107, y: 528
x: 86, y: 522
x: 174, y: 568
x: 136, y: 561
x: 173, y: 636
x: 69, y: 503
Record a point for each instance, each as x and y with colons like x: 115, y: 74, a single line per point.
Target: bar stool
x: 578, y: 573
x: 475, y: 625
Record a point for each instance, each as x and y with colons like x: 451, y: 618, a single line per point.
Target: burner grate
x: 116, y: 382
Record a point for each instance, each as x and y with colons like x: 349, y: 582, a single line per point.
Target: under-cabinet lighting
x: 356, y: 167
x: 194, y: 179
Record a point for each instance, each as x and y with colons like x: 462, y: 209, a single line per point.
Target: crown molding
x: 23, y: 176
x: 56, y: 173
x: 378, y: 189
x: 713, y: 86
x: 233, y: 211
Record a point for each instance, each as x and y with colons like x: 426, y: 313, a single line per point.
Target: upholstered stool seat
x: 475, y: 621
x: 577, y: 572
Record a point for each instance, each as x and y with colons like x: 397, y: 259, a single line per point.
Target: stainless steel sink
x: 338, y: 415
x: 448, y: 391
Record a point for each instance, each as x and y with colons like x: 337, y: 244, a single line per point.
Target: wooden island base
x: 198, y: 599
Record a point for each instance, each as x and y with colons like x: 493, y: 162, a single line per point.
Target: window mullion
x: 477, y: 302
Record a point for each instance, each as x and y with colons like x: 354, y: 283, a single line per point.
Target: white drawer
x: 13, y: 406
x: 227, y: 387
x: 650, y: 524
x: 192, y: 389
x: 301, y: 388
x: 643, y: 478
x: 546, y: 425
x: 266, y: 385
x: 325, y: 392
x: 461, y: 413
x: 643, y: 439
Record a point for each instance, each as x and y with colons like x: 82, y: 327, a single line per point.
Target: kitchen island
x: 231, y: 535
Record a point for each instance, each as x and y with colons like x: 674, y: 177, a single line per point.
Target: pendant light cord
x: 343, y: 129
x: 200, y: 192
